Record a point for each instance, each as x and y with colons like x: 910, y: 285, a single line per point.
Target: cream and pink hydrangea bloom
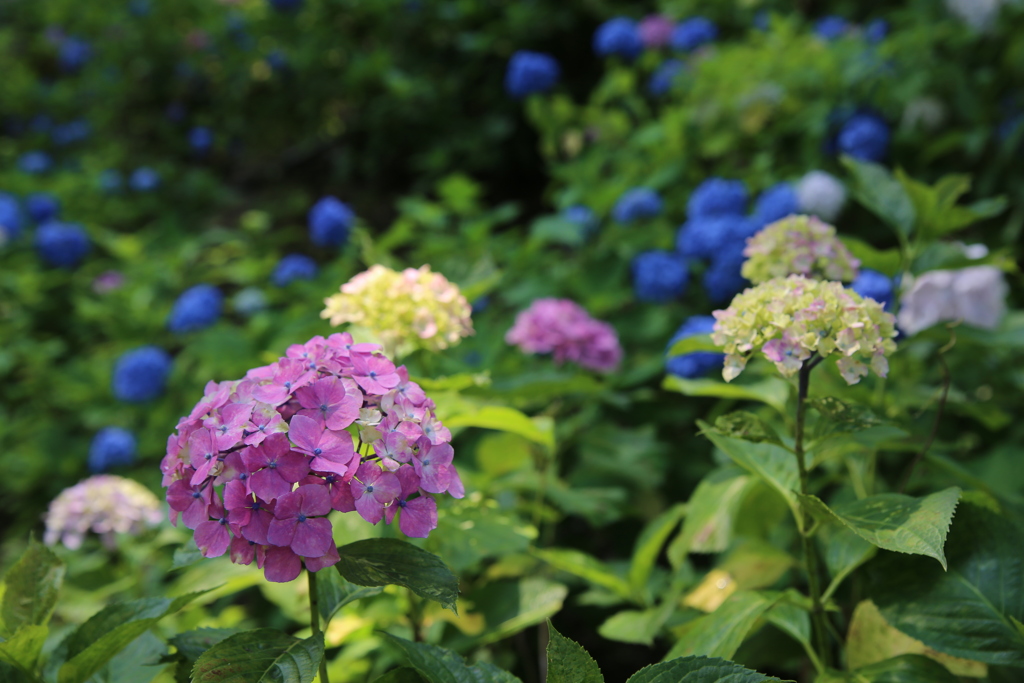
x: 798, y: 245
x: 407, y: 310
x: 105, y: 505
x: 792, y: 319
x: 561, y: 327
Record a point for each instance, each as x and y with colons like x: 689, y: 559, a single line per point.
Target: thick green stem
x: 314, y: 621
x: 810, y: 556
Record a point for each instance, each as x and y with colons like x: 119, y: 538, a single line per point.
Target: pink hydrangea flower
x: 258, y: 464
x: 562, y: 328
x: 655, y: 30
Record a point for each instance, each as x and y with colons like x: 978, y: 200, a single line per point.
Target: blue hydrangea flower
x: 659, y: 276
x: 40, y: 123
x: 692, y: 33
x: 293, y: 267
x: 718, y: 197
x: 876, y: 30
x: 10, y: 217
x: 249, y: 301
x: 70, y: 132
x: 722, y: 279
x: 35, y: 162
x: 141, y: 374
x: 620, y: 37
x: 637, y: 204
x: 111, y: 447
x: 831, y: 27
x: 197, y: 308
x: 73, y: 54
x: 775, y: 203
x: 699, y: 363
x: 480, y: 304
x: 329, y: 222
x: 144, y: 179
x: 581, y: 216
x: 530, y: 72
x: 110, y: 181
x: 865, y: 137
x: 664, y: 77
x: 42, y: 206
x: 871, y: 284
x: 200, y: 139
x: 287, y: 5
x: 703, y: 238
x: 61, y: 245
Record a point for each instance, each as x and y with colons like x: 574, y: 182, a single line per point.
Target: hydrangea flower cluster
x: 871, y: 284
x: 144, y: 179
x: 664, y: 77
x: 619, y: 37
x: 698, y: 363
x: 196, y: 309
x: 798, y: 245
x: 10, y: 217
x: 975, y: 295
x: 293, y: 267
x: 775, y: 203
x: 112, y: 446
x: 582, y: 217
x: 330, y: 221
x: 831, y: 27
x: 561, y: 327
x: 659, y: 276
x: 260, y: 462
x: 655, y: 30
x: 791, y: 319
x: 42, y: 206
x: 61, y: 245
x: 864, y: 136
x: 141, y: 374
x: 637, y: 204
x: 35, y: 162
x: 200, y: 139
x: 104, y: 504
x: 415, y: 308
x: 821, y: 194
x: 530, y: 72
x: 693, y: 33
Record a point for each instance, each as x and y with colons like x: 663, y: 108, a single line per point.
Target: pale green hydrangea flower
x: 798, y: 245
x: 791, y: 319
x: 407, y: 310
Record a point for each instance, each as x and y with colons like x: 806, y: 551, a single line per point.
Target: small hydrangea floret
x: 790, y: 320
x: 798, y: 245
x: 260, y: 462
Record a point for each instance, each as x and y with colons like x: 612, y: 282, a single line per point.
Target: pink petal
x: 213, y: 538
x: 269, y: 485
x: 315, y: 564
x: 315, y: 500
x: 419, y: 517
x: 305, y: 433
x: 312, y: 538
x: 282, y: 565
x: 282, y: 531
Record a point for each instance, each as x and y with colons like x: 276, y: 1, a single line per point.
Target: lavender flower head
x: 260, y: 462
x: 821, y: 194
x: 407, y: 310
x: 104, y: 504
x: 975, y: 295
x: 791, y: 319
x: 655, y: 30
x: 561, y: 327
x: 798, y: 245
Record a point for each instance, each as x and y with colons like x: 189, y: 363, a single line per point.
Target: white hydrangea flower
x: 975, y: 295
x: 821, y: 194
x: 978, y: 14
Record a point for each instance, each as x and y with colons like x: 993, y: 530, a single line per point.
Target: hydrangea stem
x: 810, y: 555
x: 314, y: 621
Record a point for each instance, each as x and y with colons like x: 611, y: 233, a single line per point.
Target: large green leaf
x: 510, y: 606
x: 634, y: 625
x: 773, y: 464
x: 903, y: 669
x: 973, y: 609
x: 109, y: 631
x: 261, y: 656
x: 334, y: 592
x: 699, y: 670
x: 720, y: 633
x: 32, y: 586
x: 405, y: 674
x: 22, y: 649
x: 771, y: 391
x: 917, y: 526
x: 843, y: 552
x: 439, y: 665
x: 649, y: 545
x: 506, y: 419
x: 386, y: 561
x: 691, y: 344
x: 190, y: 645
x: 568, y: 662
x: 711, y: 514
x: 586, y: 567
x: 882, y: 194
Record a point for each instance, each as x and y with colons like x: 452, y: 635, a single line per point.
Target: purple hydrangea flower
x: 197, y: 308
x: 330, y: 221
x: 699, y: 363
x: 530, y: 72
x: 693, y: 33
x: 561, y: 327
x: 61, y: 245
x: 655, y: 30
x: 141, y: 374
x: 619, y: 37
x: 659, y: 276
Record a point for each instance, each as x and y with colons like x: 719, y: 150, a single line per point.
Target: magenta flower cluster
x: 562, y: 328
x: 259, y: 463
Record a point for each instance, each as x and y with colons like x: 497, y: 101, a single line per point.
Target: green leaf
x: 510, y: 606
x: 967, y: 611
x: 439, y: 665
x: 193, y: 643
x: 692, y: 344
x: 32, y: 586
x: 261, y: 656
x: 887, y: 261
x: 135, y: 663
x: 502, y: 418
x: 741, y: 424
x: 882, y: 194
x: 773, y: 464
x: 902, y: 669
x: 904, y: 524
x: 844, y: 551
x: 568, y: 662
x: 793, y: 620
x: 699, y: 670
x: 334, y: 592
x: 648, y: 545
x: 22, y: 649
x: 586, y: 567
x: 556, y: 230
x: 388, y: 561
x: 711, y: 514
x: 720, y: 633
x: 186, y: 555
x: 404, y: 674
x: 771, y: 391
x: 109, y: 631
x: 633, y: 625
